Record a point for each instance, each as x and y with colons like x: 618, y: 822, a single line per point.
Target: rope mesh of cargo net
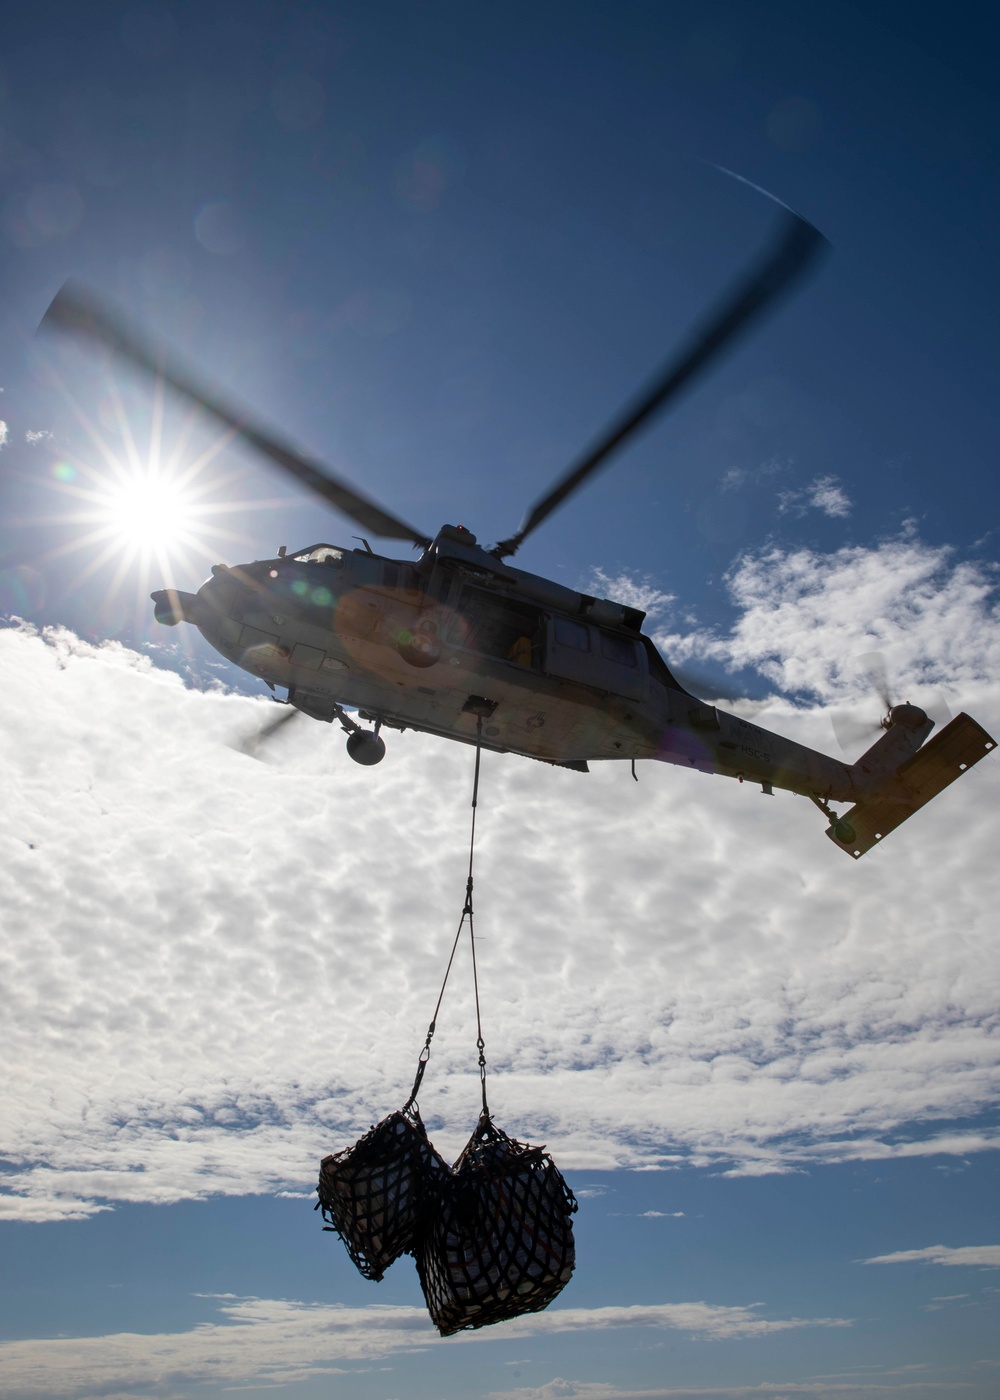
x: 492, y: 1236
x: 500, y: 1242
x: 375, y: 1194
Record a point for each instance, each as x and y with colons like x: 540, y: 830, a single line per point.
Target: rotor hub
x: 910, y: 716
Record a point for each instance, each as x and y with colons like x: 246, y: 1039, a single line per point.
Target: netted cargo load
x: 500, y: 1242
x: 375, y: 1194
x: 493, y: 1235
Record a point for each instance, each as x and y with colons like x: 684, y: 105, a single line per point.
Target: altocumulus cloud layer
x: 214, y: 970
x: 850, y: 1386
x: 264, y: 1341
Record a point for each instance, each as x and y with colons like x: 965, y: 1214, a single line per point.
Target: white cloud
x: 869, y: 1389
x: 265, y: 1342
x: 214, y: 970
x: 738, y: 477
x: 822, y: 494
x: 974, y: 1255
x: 33, y: 438
x: 634, y: 593
x: 805, y: 618
x: 650, y: 1214
x: 827, y: 496
x: 4, y: 433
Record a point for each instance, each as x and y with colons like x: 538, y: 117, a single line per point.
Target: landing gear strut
x: 365, y: 746
x: 842, y: 830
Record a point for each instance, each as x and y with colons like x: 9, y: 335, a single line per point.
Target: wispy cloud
x: 981, y: 1255
x: 736, y: 478
x: 823, y: 494
x: 649, y: 1214
x: 280, y: 1342
x: 805, y: 616
x: 634, y: 593
x: 4, y: 433
x: 33, y: 438
x: 871, y: 1389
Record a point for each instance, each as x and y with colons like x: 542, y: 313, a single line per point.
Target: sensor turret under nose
x: 171, y: 606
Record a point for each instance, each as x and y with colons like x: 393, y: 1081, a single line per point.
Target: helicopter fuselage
x: 554, y: 674
x: 464, y: 646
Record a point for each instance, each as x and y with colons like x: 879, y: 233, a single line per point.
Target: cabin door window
x: 497, y: 628
x: 609, y: 661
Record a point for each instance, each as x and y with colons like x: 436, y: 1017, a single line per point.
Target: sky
x: 438, y: 246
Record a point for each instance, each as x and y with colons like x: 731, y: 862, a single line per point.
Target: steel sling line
x: 467, y: 913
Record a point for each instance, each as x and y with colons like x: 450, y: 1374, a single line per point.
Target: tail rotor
x: 851, y: 729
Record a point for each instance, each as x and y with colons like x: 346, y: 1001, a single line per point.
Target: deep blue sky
x: 497, y: 225
x: 439, y: 244
x: 789, y: 1238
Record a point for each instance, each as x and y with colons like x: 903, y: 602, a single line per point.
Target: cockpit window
x: 322, y: 554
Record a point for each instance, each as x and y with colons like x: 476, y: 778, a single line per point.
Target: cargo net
x: 375, y: 1193
x: 500, y: 1242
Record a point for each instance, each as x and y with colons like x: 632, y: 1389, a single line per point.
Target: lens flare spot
x: 62, y: 471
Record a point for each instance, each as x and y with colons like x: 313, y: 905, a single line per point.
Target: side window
x: 571, y: 634
x: 618, y: 649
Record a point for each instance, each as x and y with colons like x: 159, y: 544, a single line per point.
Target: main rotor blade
x: 253, y: 741
x: 850, y: 730
x: 797, y: 246
x: 79, y: 312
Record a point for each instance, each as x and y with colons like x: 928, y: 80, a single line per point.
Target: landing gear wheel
x: 365, y: 747
x: 843, y: 831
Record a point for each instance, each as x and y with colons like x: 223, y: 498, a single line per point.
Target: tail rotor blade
x: 851, y: 731
x: 872, y: 664
x: 938, y: 710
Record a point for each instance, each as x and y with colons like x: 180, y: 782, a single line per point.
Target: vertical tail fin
x: 952, y: 752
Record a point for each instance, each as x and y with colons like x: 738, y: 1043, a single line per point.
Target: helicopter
x: 463, y: 645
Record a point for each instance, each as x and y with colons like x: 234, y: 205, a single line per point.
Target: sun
x: 144, y: 514
x: 151, y: 512
x: 132, y: 512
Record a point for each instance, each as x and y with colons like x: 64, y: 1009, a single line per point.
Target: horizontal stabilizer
x: 945, y: 757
